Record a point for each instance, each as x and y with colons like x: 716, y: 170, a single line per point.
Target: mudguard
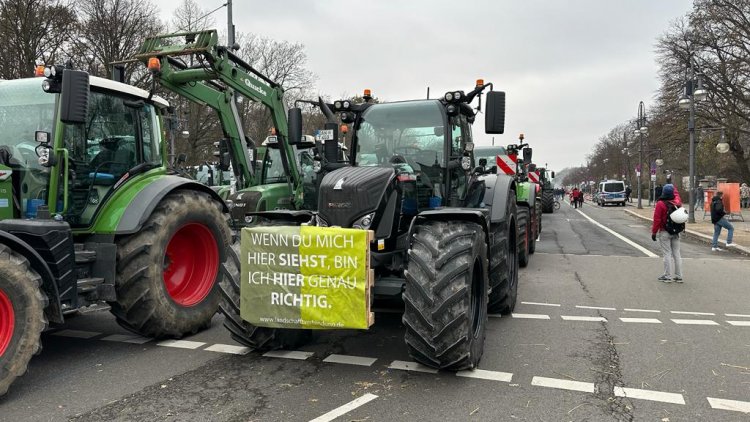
x: 145, y: 201
x: 53, y: 310
x: 497, y: 195
x: 475, y: 215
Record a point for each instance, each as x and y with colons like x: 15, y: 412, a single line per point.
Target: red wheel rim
x: 191, y: 264
x: 7, y: 322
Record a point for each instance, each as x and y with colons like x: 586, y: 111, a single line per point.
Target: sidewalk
x: 703, y: 230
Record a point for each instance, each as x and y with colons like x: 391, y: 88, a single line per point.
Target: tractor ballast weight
x: 432, y: 211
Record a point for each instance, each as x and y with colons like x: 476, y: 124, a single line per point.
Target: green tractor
x: 546, y: 180
x: 90, y: 216
x: 527, y: 201
x: 445, y: 232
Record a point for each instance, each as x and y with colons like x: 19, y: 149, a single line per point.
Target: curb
x: 697, y: 235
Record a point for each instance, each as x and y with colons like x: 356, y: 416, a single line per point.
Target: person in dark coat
x: 719, y: 219
x: 628, y: 191
x: 669, y: 243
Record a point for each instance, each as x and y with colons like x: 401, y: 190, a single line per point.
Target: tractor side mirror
x: 494, y: 119
x: 552, y: 174
x: 527, y: 155
x: 330, y: 142
x: 223, y: 154
x: 482, y: 162
x: 74, y: 97
x: 295, y: 125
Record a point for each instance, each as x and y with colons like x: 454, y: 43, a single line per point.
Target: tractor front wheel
x: 22, y: 317
x: 446, y: 295
x: 524, y: 233
x: 168, y: 273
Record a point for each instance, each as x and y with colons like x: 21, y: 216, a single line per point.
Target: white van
x: 611, y: 192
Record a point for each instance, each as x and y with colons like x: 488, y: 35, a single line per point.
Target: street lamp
x: 694, y: 92
x: 640, y: 131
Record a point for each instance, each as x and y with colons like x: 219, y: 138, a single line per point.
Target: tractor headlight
x: 46, y: 85
x: 449, y: 96
x: 49, y: 71
x: 249, y: 219
x: 317, y: 166
x: 346, y: 104
x: 43, y: 153
x: 466, y: 163
x: 364, y: 222
x: 337, y: 105
x: 457, y: 95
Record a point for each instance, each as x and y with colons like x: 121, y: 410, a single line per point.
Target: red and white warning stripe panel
x: 534, y: 176
x: 506, y: 164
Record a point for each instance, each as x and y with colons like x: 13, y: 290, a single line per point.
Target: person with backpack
x: 667, y: 232
x: 719, y: 219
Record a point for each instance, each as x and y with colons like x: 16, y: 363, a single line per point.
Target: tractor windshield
x: 407, y: 133
x: 24, y: 109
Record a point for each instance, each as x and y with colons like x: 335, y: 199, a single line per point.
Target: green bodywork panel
x: 525, y: 193
x: 6, y: 193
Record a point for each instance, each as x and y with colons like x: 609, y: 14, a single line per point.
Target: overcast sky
x: 572, y: 70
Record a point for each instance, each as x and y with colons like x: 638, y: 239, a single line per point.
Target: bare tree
x: 190, y: 17
x: 33, y: 31
x: 112, y: 30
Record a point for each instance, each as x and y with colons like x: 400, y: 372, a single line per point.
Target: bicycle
x: 557, y: 205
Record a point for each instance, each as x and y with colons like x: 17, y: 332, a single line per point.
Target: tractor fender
x: 145, y: 201
x: 473, y: 215
x: 53, y: 311
x: 497, y: 195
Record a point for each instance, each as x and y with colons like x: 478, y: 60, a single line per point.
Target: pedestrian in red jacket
x: 669, y: 243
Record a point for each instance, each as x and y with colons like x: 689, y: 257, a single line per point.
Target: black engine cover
x: 351, y: 192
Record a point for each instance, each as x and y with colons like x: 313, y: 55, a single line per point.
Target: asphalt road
x: 594, y: 337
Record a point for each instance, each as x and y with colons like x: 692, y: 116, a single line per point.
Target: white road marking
x: 288, y: 354
x: 125, y: 338
x: 486, y: 375
x: 637, y: 393
x: 694, y: 322
x: 228, y: 348
x: 530, y: 316
x: 587, y: 387
x: 693, y: 313
x: 595, y: 307
x: 734, y: 405
x: 739, y: 323
x: 181, y: 344
x: 76, y: 334
x: 402, y: 365
x: 642, y: 310
x: 343, y: 410
x: 738, y: 315
x: 641, y: 320
x: 645, y: 251
x: 583, y: 318
x: 541, y: 304
x: 350, y: 360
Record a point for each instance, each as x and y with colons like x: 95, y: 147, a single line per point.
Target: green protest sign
x: 305, y: 277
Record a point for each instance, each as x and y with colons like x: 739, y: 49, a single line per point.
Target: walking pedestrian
x: 628, y: 191
x: 574, y: 197
x: 719, y: 220
x: 669, y: 243
x: 744, y: 196
x: 699, y: 198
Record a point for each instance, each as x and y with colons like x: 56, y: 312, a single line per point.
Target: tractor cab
x: 106, y: 133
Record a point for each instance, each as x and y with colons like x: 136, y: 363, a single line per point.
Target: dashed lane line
x: 602, y: 308
x: 733, y: 405
x: 76, y: 334
x: 583, y: 318
x: 344, y: 409
x: 653, y: 311
x: 693, y: 313
x: 228, y: 348
x: 350, y: 360
x: 645, y: 251
x: 530, y: 316
x: 660, y: 396
x: 541, y: 304
x: 402, y: 365
x: 181, y: 344
x: 124, y: 338
x: 641, y: 320
x: 288, y: 354
x: 586, y: 387
x: 486, y: 375
x: 695, y: 322
x: 738, y: 315
x: 739, y: 323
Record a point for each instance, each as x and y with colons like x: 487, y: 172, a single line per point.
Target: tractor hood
x: 352, y: 192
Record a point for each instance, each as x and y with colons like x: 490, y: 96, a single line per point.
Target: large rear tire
x: 258, y: 338
x: 548, y: 201
x: 168, y: 274
x: 524, y: 232
x: 446, y: 295
x: 22, y: 317
x: 504, y: 265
